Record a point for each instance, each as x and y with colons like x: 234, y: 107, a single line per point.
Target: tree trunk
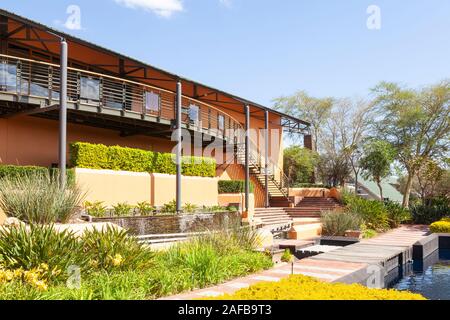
x: 381, y: 190
x: 407, y: 191
x: 356, y: 184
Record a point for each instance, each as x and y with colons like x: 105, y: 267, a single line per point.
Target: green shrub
x: 189, y: 208
x: 98, y: 156
x: 113, y: 249
x: 442, y: 226
x: 336, y: 223
x: 30, y: 247
x: 87, y: 155
x: 39, y: 198
x: 233, y: 186
x: 434, y: 210
x: 129, y: 159
x: 145, y: 208
x: 373, y: 213
x: 170, y: 207
x: 95, y: 209
x: 122, y: 209
x: 396, y: 213
x: 287, y: 256
x: 9, y: 171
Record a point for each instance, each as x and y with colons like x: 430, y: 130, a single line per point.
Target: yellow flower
x: 117, y: 260
x: 40, y: 285
x: 56, y: 272
x: 44, y: 266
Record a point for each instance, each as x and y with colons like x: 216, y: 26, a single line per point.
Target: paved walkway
x: 328, y: 267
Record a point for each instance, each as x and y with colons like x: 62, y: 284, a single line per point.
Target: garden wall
x: 113, y: 187
x: 195, y: 190
x: 309, y: 192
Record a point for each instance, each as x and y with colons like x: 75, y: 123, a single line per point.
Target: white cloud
x: 164, y: 8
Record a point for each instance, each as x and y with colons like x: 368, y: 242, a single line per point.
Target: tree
x: 415, y: 123
x: 341, y: 139
x: 314, y: 110
x: 376, y: 162
x: 299, y: 164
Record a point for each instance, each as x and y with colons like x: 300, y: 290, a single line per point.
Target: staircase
x: 273, y: 217
x: 278, y: 192
x: 313, y: 207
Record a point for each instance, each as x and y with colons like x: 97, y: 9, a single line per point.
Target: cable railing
x: 26, y: 77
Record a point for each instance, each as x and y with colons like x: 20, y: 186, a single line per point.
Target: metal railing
x: 26, y: 77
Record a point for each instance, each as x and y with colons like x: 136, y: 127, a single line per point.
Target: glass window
x: 194, y: 113
x: 152, y: 101
x: 90, y: 89
x: 221, y: 122
x: 8, y: 77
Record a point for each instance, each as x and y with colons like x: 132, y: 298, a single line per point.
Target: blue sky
x: 261, y: 49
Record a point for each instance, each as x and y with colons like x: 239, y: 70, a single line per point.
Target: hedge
x: 98, y: 156
x: 233, y: 186
x: 12, y: 172
x: 299, y: 287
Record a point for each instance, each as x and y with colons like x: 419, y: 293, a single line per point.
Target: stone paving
x: 325, y: 269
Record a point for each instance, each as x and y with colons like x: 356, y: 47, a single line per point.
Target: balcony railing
x: 25, y: 77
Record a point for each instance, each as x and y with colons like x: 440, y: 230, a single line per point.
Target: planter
x: 353, y: 234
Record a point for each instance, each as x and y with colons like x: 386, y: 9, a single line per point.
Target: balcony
x: 28, y: 86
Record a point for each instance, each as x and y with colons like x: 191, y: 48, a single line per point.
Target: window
x: 221, y: 122
x: 194, y: 114
x: 90, y: 89
x: 152, y: 102
x: 8, y: 79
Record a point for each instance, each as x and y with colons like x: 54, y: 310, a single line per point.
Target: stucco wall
x: 114, y: 187
x: 195, y: 190
x: 34, y: 141
x: 309, y: 192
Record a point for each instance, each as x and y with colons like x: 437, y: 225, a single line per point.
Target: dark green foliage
x: 434, y: 210
x: 9, y: 171
x: 233, y: 186
x: 373, y: 213
x: 396, y: 213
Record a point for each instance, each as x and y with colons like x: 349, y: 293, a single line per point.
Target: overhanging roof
x: 193, y: 89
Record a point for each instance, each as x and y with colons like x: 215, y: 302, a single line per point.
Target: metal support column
x: 266, y: 162
x: 178, y: 149
x: 63, y: 114
x: 247, y: 157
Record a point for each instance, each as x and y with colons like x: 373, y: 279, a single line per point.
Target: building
x: 117, y: 100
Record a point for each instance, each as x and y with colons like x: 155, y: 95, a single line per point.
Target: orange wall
x: 33, y: 141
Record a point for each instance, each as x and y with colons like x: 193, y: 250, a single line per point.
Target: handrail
x: 117, y: 91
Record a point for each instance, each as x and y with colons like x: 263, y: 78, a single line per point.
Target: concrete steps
x: 272, y: 216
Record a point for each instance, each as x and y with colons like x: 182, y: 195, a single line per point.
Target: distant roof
x: 389, y: 191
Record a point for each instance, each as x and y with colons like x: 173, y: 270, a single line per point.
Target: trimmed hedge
x: 98, y: 156
x: 12, y: 172
x: 233, y: 186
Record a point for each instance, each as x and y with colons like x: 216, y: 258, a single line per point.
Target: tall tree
x: 299, y: 164
x: 303, y: 106
x: 376, y: 162
x: 415, y: 123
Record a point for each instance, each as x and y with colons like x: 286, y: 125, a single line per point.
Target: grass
x: 125, y: 270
